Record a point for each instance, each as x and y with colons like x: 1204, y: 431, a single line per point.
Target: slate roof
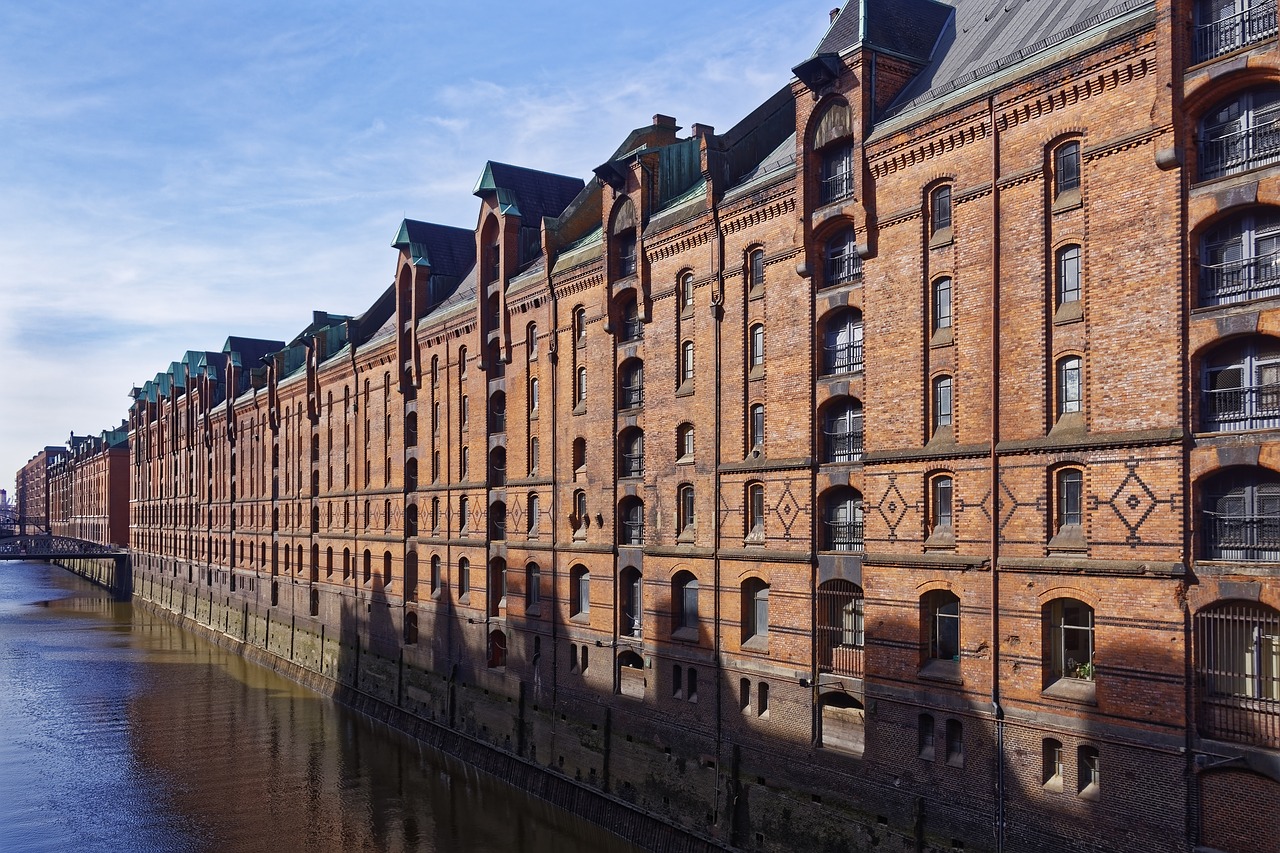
x: 527, y: 192
x: 904, y: 27
x: 985, y: 37
x: 447, y: 250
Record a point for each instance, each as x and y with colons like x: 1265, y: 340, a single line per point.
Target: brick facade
x: 591, y: 482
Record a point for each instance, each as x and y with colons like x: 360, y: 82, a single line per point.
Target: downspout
x: 554, y: 357
x: 717, y: 317
x: 997, y: 710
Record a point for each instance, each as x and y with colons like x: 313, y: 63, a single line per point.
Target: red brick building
x: 32, y: 482
x: 89, y: 488
x: 894, y: 469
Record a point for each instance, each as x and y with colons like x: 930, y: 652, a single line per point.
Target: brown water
x: 120, y: 731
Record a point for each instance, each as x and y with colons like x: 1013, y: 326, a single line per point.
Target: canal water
x: 120, y: 731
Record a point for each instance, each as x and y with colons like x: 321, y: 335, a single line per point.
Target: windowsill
x: 685, y: 460
x: 1054, y: 785
x: 941, y: 539
x: 1068, y: 312
x: 758, y: 643
x: 942, y: 337
x: 685, y: 389
x: 533, y: 416
x: 756, y: 292
x: 580, y: 535
x: 942, y: 670
x: 942, y: 435
x: 754, y: 539
x: 1069, y: 540
x: 685, y: 635
x: 955, y: 761
x: 941, y: 237
x: 1090, y: 792
x: 1070, y: 423
x: 1073, y: 690
x: 686, y: 312
x: 1068, y: 200
x: 533, y: 610
x: 581, y: 618
x: 755, y: 373
x: 687, y: 536
x: 580, y: 409
x: 926, y: 755
x: 465, y: 598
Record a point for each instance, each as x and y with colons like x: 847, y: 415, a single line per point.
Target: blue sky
x: 172, y: 173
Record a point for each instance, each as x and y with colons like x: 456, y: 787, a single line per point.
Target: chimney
x: 835, y: 13
x: 702, y: 130
x: 660, y: 120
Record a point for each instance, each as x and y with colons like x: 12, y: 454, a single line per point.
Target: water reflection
x: 126, y: 733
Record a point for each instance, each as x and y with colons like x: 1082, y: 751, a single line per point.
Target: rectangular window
x: 1066, y: 168
x: 942, y: 513
x: 1068, y: 273
x: 942, y: 402
x: 1070, y: 489
x: 941, y: 209
x: 942, y: 304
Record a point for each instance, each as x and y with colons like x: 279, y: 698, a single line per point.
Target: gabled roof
x: 527, y: 193
x: 981, y: 40
x: 250, y: 350
x: 447, y: 250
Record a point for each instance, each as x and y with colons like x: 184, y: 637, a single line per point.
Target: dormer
x: 433, y: 260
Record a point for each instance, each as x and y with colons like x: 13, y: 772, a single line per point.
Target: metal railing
x: 631, y: 397
x: 632, y: 465
x: 842, y: 358
x: 844, y: 446
x: 1252, y: 24
x: 844, y: 536
x: 837, y: 186
x: 632, y: 533
x: 840, y: 629
x: 843, y: 269
x: 1254, y: 538
x: 1223, y: 152
x: 1239, y: 281
x: 1237, y: 669
x: 1237, y: 409
x: 632, y: 328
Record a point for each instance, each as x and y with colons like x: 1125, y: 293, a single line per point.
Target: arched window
x: 631, y: 453
x: 580, y: 387
x: 464, y: 579
x: 1241, y: 382
x: 940, y: 213
x: 631, y: 521
x: 1240, y: 258
x: 755, y: 346
x: 1066, y: 172
x: 684, y: 601
x: 631, y: 384
x: 533, y: 455
x: 1090, y: 773
x: 755, y: 610
x: 631, y: 329
x: 579, y: 454
x: 843, y: 264
x: 686, y: 362
x: 580, y: 518
x: 464, y: 411
x: 436, y: 580
x: 837, y: 172
x: 580, y: 325
x: 411, y: 629
x: 940, y: 613
x: 1241, y: 516
x: 497, y: 586
x: 579, y: 591
x: 755, y: 426
x: 686, y: 293
x: 1237, y: 664
x: 462, y: 364
x: 941, y: 304
x: 411, y: 520
x: 631, y: 603
x: 844, y: 519
x: 498, y: 412
x: 532, y: 586
x: 411, y: 475
x: 411, y: 576
x: 684, y: 509
x: 533, y: 397
x: 755, y: 510
x: 497, y: 650
x: 1051, y: 764
x: 1068, y: 627
x: 843, y: 431
x: 755, y: 271
x: 386, y: 568
x: 624, y: 238
x: 684, y: 442
x: 1067, y: 276
x: 531, y: 341
x: 1240, y: 133
x: 842, y: 343
x: 464, y: 514
x: 368, y: 565
x: 534, y: 515
x: 841, y: 636
x: 941, y: 513
x: 498, y: 466
x: 498, y: 521
x: 942, y: 401
x: 1069, y: 500
x: 1070, y: 385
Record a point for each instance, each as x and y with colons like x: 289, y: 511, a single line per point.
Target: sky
x: 172, y: 173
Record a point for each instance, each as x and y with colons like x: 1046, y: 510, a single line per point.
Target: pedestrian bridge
x: 43, y: 546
